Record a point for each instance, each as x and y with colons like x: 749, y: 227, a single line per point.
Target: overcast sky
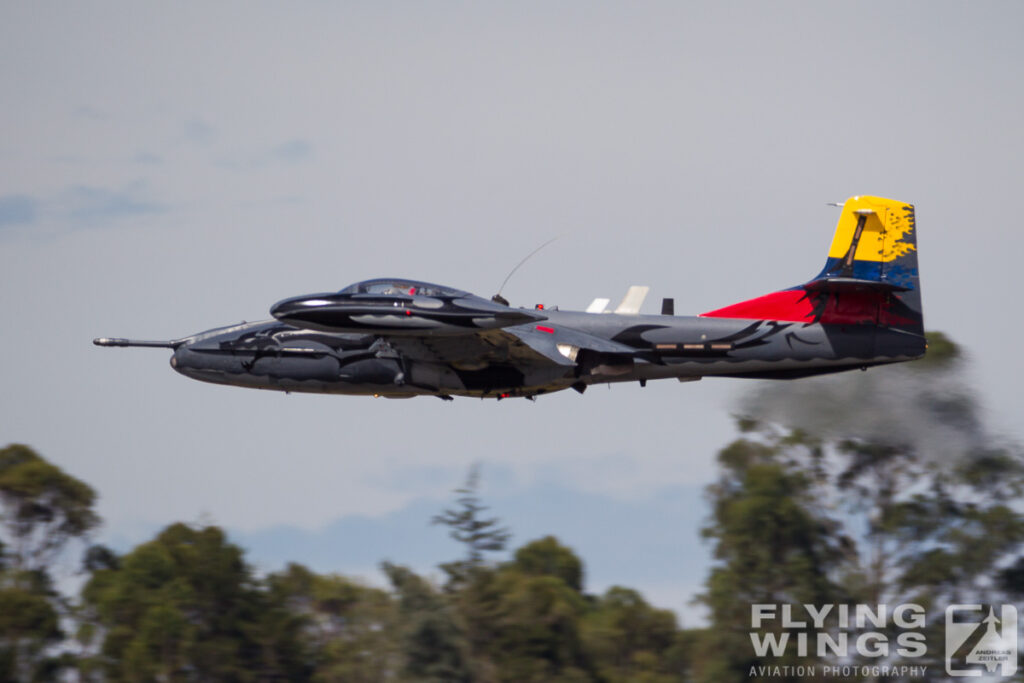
x: 167, y: 168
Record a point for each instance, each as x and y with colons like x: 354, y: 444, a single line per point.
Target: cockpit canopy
x: 386, y: 286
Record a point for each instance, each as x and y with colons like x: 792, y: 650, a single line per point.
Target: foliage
x: 184, y: 606
x: 433, y: 643
x: 546, y: 557
x: 347, y: 630
x: 942, y: 352
x: 29, y: 625
x: 467, y: 526
x: 42, y: 509
x: 826, y: 501
x: 632, y: 641
x: 774, y: 545
x: 536, y: 630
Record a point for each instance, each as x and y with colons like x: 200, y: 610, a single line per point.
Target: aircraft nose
x: 189, y: 357
x: 191, y: 361
x: 184, y: 359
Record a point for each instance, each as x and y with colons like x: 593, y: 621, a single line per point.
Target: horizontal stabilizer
x: 851, y: 284
x: 633, y: 300
x: 598, y: 305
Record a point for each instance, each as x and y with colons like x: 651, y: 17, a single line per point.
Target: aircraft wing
x: 532, y: 344
x: 545, y: 340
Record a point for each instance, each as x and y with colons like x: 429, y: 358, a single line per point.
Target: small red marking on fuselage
x: 545, y: 329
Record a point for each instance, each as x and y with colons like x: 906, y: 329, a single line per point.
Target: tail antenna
x: 498, y: 298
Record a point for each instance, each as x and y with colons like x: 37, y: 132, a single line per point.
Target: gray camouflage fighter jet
x: 402, y: 338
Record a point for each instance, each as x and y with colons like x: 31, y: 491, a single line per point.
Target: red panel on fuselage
x: 791, y: 304
x: 853, y: 307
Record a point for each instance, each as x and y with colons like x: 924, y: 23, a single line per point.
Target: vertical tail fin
x: 873, y: 258
x: 875, y: 240
x: 870, y: 276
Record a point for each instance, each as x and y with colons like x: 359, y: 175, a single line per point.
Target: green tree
x: 536, y: 629
x: 773, y: 544
x: 468, y: 526
x: 472, y: 591
x: 547, y: 557
x: 184, y: 606
x: 434, y: 646
x: 29, y: 625
x: 42, y: 509
x: 527, y: 620
x: 629, y: 640
x: 348, y: 631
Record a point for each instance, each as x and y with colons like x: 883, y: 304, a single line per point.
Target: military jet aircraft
x: 401, y: 338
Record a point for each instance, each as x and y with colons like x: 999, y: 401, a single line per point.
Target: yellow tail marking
x: 883, y: 233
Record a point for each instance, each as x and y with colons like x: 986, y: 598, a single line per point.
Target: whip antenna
x: 498, y: 298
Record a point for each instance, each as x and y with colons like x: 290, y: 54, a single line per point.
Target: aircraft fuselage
x: 278, y: 356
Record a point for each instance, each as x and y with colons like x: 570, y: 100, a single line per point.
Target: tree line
x: 835, y: 492
x: 186, y: 606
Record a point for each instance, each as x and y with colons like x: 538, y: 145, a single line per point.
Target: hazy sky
x: 166, y: 168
